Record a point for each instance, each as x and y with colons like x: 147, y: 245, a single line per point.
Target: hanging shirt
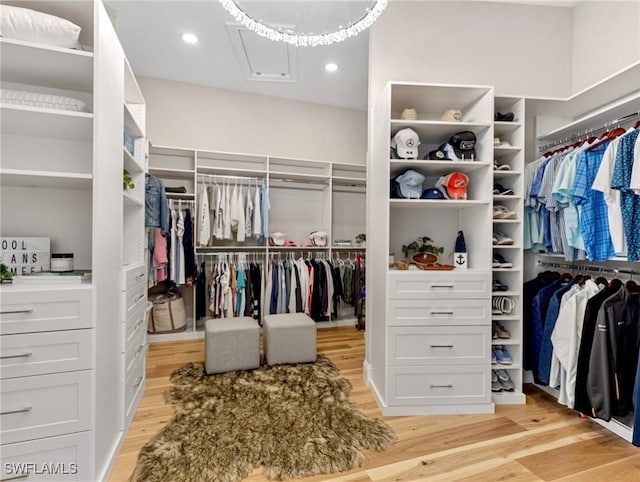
x: 635, y: 172
x: 172, y: 248
x: 241, y: 227
x: 264, y: 208
x: 226, y: 221
x: 234, y: 208
x: 204, y: 225
x: 179, y: 277
x: 240, y: 292
x: 218, y: 210
x: 257, y: 216
x: 602, y: 183
x: 248, y: 215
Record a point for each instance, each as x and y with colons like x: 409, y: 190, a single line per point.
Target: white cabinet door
x: 133, y: 276
x: 42, y: 353
x: 44, y: 406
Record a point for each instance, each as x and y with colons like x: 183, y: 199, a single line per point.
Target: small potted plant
x: 5, y: 274
x: 422, y: 252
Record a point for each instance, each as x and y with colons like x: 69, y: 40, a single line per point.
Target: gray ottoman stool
x: 289, y: 338
x: 231, y: 344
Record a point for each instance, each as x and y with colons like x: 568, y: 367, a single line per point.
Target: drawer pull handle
x: 441, y: 346
x: 139, y: 348
x: 441, y: 386
x: 17, y: 477
x: 141, y: 275
x: 442, y: 312
x: 139, y: 298
x: 15, y: 312
x: 22, y: 355
x: 139, y: 323
x: 22, y: 410
x: 138, y: 382
x: 442, y: 286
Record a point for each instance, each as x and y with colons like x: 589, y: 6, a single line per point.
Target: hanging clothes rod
x: 231, y: 178
x: 588, y: 132
x: 588, y: 267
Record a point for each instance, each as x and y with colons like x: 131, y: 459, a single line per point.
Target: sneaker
x: 497, y: 285
x: 500, y: 190
x: 502, y: 355
x: 494, y: 358
x: 461, y: 246
x: 503, y: 212
x: 506, y: 117
x: 501, y: 239
x: 500, y: 262
x: 505, y: 144
x: 501, y: 167
x: 503, y: 304
x: 500, y: 331
x: 496, y: 386
x: 504, y: 380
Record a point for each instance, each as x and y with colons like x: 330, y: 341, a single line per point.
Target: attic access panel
x: 261, y: 59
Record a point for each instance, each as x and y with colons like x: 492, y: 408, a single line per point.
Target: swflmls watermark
x: 39, y: 468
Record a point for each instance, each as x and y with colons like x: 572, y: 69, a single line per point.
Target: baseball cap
x: 318, y: 238
x: 409, y: 114
x: 405, y: 143
x: 442, y: 153
x: 278, y: 238
x: 454, y: 185
x: 451, y: 115
x: 432, y: 193
x: 410, y: 184
x: 463, y: 144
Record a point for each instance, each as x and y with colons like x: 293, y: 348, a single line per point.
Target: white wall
x: 508, y: 46
x: 186, y: 115
x: 606, y: 38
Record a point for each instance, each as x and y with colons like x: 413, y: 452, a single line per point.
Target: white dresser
x: 47, y: 378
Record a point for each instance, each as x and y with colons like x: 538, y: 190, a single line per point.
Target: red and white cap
x: 454, y: 185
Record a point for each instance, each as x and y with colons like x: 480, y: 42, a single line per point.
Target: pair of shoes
x: 502, y: 305
x: 503, y: 212
x: 500, y: 381
x: 496, y: 142
x: 499, y: 331
x: 500, y: 262
x: 498, y: 286
x: 506, y: 117
x: 501, y: 239
x: 501, y: 355
x: 500, y: 167
x: 500, y: 190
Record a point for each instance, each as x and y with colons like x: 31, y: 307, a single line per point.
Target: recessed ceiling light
x: 190, y: 38
x: 331, y: 67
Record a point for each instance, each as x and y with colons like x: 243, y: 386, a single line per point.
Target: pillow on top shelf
x: 29, y: 25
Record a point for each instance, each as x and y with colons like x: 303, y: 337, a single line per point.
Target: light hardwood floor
x: 537, y: 441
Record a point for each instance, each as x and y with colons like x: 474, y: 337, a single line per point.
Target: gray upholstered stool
x: 289, y: 338
x: 231, y: 344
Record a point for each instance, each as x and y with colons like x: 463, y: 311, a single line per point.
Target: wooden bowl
x: 425, y: 260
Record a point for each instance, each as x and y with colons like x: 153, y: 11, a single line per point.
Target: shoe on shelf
x: 504, y: 379
x: 506, y: 117
x: 500, y: 167
x: 500, y: 331
x: 503, y: 212
x: 500, y: 190
x: 503, y: 304
x: 494, y: 358
x: 498, y: 286
x: 501, y: 239
x: 496, y: 386
x: 502, y: 355
x: 496, y: 141
x: 500, y: 262
x: 496, y: 311
x: 504, y: 144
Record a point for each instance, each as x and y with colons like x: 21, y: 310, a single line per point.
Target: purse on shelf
x: 167, y: 314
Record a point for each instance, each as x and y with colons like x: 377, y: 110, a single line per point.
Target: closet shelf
x: 37, y: 64
x: 506, y: 270
x: 620, y: 259
x: 46, y: 179
x: 435, y: 203
x: 435, y: 132
x: 174, y: 195
x: 296, y: 177
x: 506, y: 221
x: 348, y: 181
x: 49, y: 123
x: 436, y: 167
x: 505, y: 293
x: 505, y: 197
x: 504, y: 318
x: 500, y: 149
x: 505, y: 342
x: 130, y: 200
x: 348, y: 248
x: 502, y: 127
x: 130, y: 162
x: 224, y: 171
x: 213, y: 249
x: 506, y: 246
x: 498, y: 366
x: 130, y: 123
x: 172, y: 173
x: 299, y: 248
x: 499, y: 174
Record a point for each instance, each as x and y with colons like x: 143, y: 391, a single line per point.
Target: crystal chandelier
x: 305, y: 40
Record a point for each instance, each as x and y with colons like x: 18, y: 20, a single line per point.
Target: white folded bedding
x: 34, y: 99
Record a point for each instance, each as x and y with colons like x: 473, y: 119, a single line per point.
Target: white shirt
x: 241, y: 227
x: 204, y: 225
x: 234, y: 208
x: 226, y: 207
x: 602, y: 183
x: 218, y: 222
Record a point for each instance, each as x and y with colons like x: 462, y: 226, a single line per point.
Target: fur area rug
x: 293, y: 420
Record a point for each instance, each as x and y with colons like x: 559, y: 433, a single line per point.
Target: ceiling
x: 150, y: 32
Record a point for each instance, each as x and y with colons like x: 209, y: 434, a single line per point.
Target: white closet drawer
x: 439, y: 312
x: 32, y: 310
x: 134, y: 276
x: 411, y: 285
x: 44, y: 406
x: 66, y: 457
x: 439, y: 385
x: 439, y: 345
x: 134, y: 387
x: 136, y: 320
x: 42, y: 353
x: 134, y: 299
x: 135, y: 347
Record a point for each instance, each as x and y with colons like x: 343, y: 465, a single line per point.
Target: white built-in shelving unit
x: 305, y: 196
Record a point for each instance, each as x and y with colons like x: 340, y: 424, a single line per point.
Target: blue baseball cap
x: 432, y: 193
x: 410, y: 184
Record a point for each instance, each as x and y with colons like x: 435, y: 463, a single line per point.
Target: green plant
x: 422, y: 244
x: 5, y: 273
x: 127, y: 181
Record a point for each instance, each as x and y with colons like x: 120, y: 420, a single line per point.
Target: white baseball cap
x: 278, y: 238
x: 318, y: 238
x: 406, y: 143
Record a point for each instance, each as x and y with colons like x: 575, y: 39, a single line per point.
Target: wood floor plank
x: 517, y: 443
